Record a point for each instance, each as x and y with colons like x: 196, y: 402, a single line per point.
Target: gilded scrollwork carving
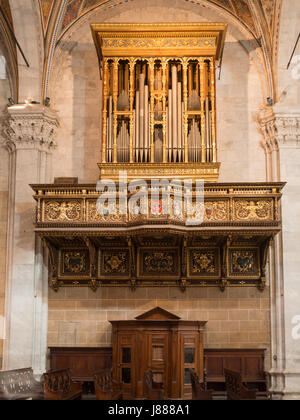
x: 244, y: 263
x: 74, y: 262
x: 159, y: 43
x: 216, y: 211
x: 63, y: 211
x: 111, y: 216
x: 115, y: 263
x: 159, y: 262
x: 203, y: 262
x: 253, y: 210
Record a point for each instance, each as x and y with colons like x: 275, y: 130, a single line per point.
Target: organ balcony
x: 229, y: 247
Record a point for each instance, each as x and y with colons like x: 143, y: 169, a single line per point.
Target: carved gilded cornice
x: 30, y: 126
x: 159, y: 39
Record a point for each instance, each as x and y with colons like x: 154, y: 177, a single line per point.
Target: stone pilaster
x: 281, y: 130
x: 29, y: 132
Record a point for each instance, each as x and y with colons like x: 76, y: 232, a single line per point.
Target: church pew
x: 19, y: 384
x: 106, y: 388
x: 198, y: 388
x: 236, y: 390
x: 59, y: 386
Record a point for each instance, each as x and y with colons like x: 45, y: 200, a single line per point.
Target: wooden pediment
x: 158, y: 314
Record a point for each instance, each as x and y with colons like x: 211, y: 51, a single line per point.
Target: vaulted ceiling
x: 259, y: 18
x: 8, y: 46
x: 241, y: 9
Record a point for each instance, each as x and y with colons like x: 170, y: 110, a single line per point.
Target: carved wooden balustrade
x: 229, y: 247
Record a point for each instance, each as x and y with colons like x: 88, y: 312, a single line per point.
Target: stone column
x: 30, y: 133
x: 281, y: 131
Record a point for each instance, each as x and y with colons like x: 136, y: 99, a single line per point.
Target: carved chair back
x: 154, y: 390
x: 104, y: 379
x: 18, y: 382
x: 199, y: 388
x: 236, y: 390
x: 58, y: 381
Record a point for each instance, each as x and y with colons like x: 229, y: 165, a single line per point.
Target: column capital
x: 30, y: 126
x: 280, y: 127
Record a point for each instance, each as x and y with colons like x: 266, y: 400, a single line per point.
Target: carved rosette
x: 114, y: 263
x: 279, y: 129
x: 30, y: 126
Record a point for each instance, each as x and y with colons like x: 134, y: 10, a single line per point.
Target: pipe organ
x: 159, y: 98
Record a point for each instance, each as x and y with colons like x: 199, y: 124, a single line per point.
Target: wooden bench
x: 20, y: 384
x: 59, y: 386
x: 236, y: 390
x: 154, y: 390
x: 248, y: 362
x: 199, y: 390
x: 106, y: 388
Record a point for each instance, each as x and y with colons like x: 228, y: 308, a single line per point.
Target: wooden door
x: 158, y: 357
x: 126, y: 366
x: 191, y: 357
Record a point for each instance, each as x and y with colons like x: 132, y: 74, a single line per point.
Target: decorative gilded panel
x: 114, y: 263
x: 63, y: 211
x: 159, y: 262
x: 74, y: 262
x: 204, y: 262
x: 244, y: 263
x: 254, y: 210
x: 95, y: 217
x: 216, y: 211
x: 159, y: 43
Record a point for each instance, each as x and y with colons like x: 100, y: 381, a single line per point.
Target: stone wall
x: 237, y: 318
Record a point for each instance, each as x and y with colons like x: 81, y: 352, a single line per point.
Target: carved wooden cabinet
x: 163, y: 342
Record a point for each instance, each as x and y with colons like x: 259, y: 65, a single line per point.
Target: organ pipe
x: 146, y: 122
x: 137, y: 126
x: 142, y: 117
x: 213, y: 108
x: 179, y: 120
x: 174, y: 113
x: 170, y: 144
x: 104, y: 121
x: 202, y: 101
x: 151, y: 114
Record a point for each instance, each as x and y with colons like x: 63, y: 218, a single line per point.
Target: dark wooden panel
x: 248, y: 362
x: 83, y: 362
